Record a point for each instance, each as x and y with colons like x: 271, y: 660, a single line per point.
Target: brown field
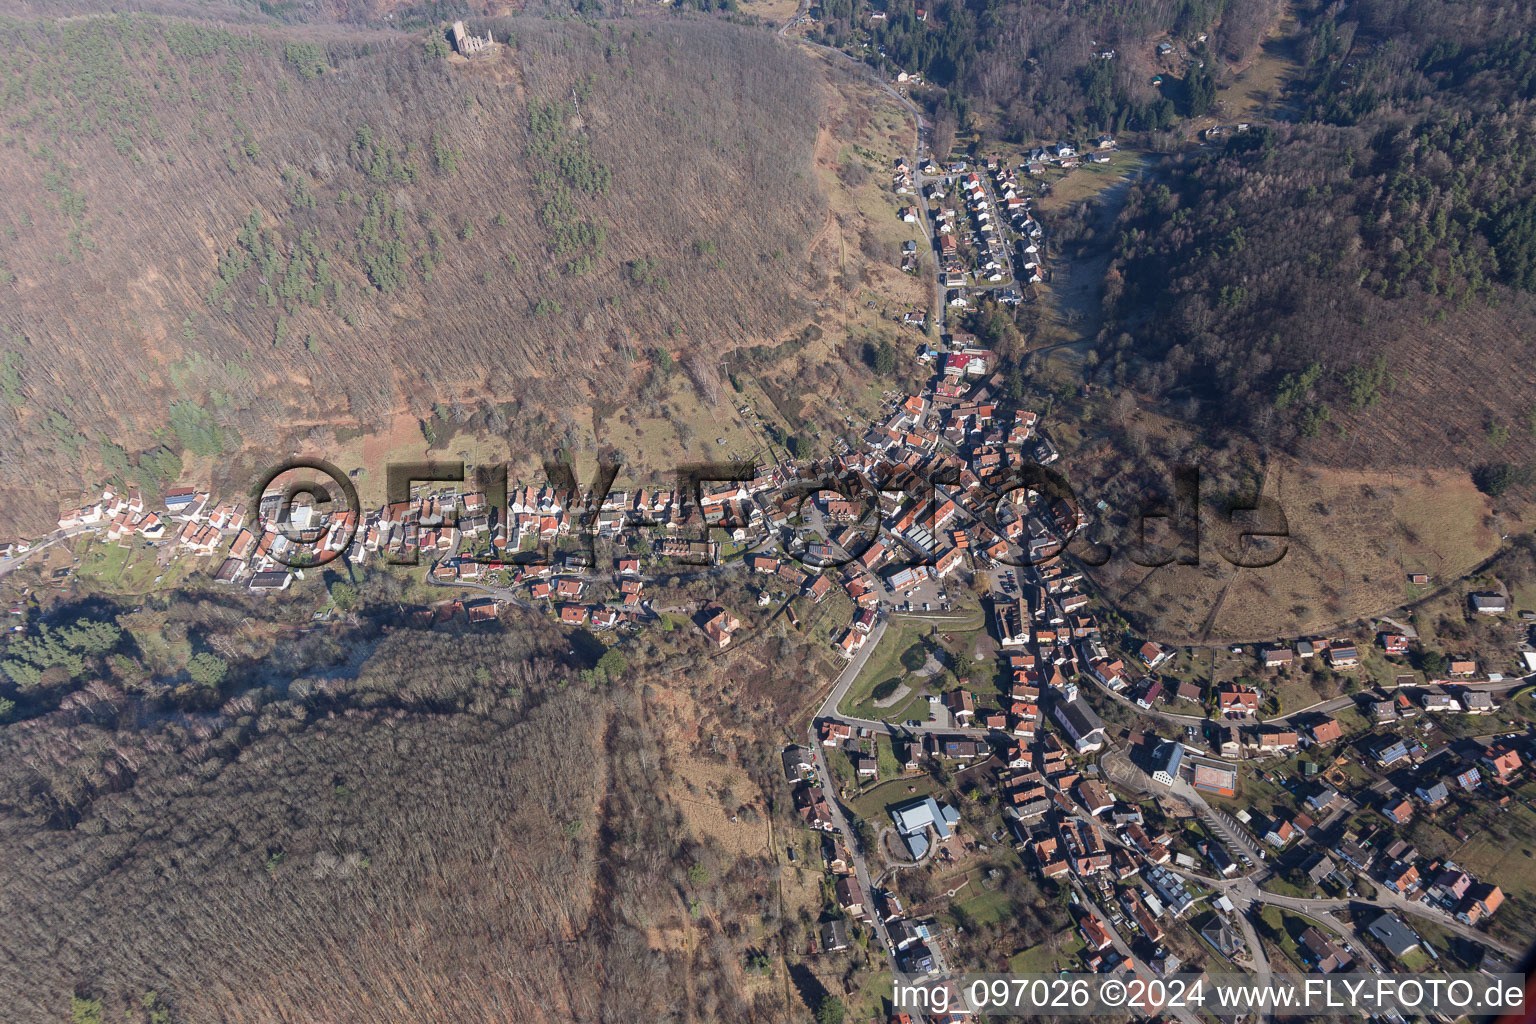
x: 1258, y: 84
x: 775, y: 12
x: 698, y: 789
x: 1087, y: 181
x: 852, y: 263
x: 1354, y: 537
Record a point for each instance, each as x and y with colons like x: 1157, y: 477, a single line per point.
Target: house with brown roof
x: 1327, y: 731
x: 1095, y: 933
x: 1049, y: 858
x: 1233, y: 699
x: 1280, y: 833
x: 1482, y: 900
x: 961, y: 704
x: 833, y: 733
x: 1325, y: 955
x: 1278, y: 657
x: 720, y: 626
x: 1402, y: 878
x: 850, y: 642
x: 1152, y: 654
x: 1502, y: 760
x: 1095, y: 797
x: 811, y: 804
x: 1277, y: 741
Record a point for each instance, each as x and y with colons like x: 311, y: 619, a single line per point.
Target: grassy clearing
x: 883, y: 665
x: 1258, y: 85
x: 776, y: 12
x: 1253, y: 793
x: 1086, y: 181
x: 871, y: 805
x: 1283, y: 930
x: 1059, y: 952
x: 885, y: 755
x: 984, y: 908
x: 110, y: 567
x: 1299, y: 689
x: 1511, y: 863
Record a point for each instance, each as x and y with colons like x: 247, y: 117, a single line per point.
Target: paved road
x: 860, y: 867
x: 57, y: 536
x: 851, y: 672
x: 994, y: 210
x: 1245, y: 891
x: 1320, y: 708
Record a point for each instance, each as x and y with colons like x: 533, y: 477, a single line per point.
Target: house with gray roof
x: 1081, y: 724
x: 1223, y: 937
x: 1321, y: 867
x: 1399, y: 939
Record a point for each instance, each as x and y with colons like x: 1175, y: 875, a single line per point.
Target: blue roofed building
x: 1434, y: 794
x: 1170, y: 887
x: 1170, y: 758
x: 914, y: 821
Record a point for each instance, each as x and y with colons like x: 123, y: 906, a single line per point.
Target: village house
x: 719, y: 627
x: 1440, y: 703
x: 1483, y: 900
x: 1327, y: 731
x: 1502, y: 761
x: 1489, y: 604
x: 834, y: 733
x: 1391, y: 752
x: 1323, y: 954
x: 1277, y: 657
x: 1232, y: 699
x: 1342, y: 654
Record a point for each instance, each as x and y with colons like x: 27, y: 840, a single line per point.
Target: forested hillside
x: 1043, y: 66
x: 214, y: 238
x: 1358, y: 285
x: 485, y: 842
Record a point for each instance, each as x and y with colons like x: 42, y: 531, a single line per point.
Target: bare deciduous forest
x: 488, y: 842
x: 215, y: 237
